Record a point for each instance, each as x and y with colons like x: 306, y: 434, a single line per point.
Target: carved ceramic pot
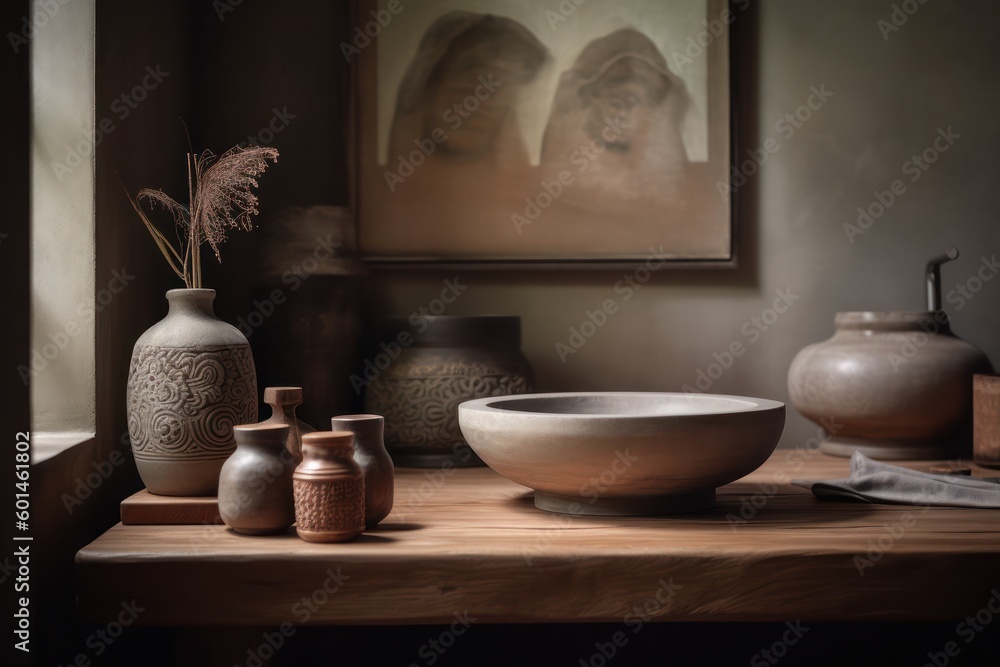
x: 255, y: 484
x: 440, y: 363
x: 329, y: 489
x: 192, y: 379
x: 370, y: 454
x: 894, y: 385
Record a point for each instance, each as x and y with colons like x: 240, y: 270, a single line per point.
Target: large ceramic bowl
x: 623, y: 453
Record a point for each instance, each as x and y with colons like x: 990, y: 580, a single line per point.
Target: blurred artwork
x: 491, y: 132
x: 620, y: 92
x: 465, y: 79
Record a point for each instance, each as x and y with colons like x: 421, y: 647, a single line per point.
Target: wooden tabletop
x: 469, y: 541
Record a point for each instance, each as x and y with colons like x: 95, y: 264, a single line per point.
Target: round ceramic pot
x: 255, y: 484
x: 191, y: 380
x: 370, y: 454
x: 329, y: 489
x: 893, y: 385
x: 439, y: 364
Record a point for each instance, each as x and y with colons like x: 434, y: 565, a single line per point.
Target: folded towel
x: 876, y: 482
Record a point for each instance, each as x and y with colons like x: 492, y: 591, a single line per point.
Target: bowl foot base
x: 891, y: 451
x: 678, y: 503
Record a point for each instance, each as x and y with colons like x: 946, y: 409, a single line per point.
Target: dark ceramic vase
x: 255, y: 485
x: 442, y: 362
x: 370, y: 454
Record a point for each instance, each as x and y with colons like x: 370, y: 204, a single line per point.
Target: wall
x: 889, y: 99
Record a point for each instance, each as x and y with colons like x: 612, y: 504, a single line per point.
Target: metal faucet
x: 934, y: 278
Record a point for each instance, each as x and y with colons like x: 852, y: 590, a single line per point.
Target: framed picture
x: 562, y: 133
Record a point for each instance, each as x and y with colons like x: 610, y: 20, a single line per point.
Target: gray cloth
x: 875, y: 482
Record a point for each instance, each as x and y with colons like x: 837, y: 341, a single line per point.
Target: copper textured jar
x: 428, y: 368
x: 370, y: 454
x: 255, y: 484
x: 893, y: 385
x: 329, y: 489
x: 283, y: 401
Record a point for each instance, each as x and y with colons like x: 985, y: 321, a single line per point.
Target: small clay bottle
x: 255, y: 484
x: 283, y: 401
x: 370, y: 454
x: 329, y: 489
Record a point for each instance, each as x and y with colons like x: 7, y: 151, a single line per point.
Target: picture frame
x: 439, y: 183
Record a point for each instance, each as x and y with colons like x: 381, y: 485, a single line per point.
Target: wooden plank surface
x: 145, y: 508
x: 470, y: 540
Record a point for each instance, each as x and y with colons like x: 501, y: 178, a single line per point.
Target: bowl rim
x: 485, y: 405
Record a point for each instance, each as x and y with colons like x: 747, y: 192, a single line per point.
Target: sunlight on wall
x: 61, y: 370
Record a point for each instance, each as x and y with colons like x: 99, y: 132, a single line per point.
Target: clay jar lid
x: 357, y: 423
x: 329, y: 444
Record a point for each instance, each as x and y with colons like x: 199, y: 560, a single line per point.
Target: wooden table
x: 470, y: 541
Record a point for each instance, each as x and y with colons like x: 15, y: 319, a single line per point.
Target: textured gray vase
x: 192, y: 379
x: 438, y: 364
x: 255, y: 484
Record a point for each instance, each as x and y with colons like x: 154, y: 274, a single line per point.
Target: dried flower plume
x: 221, y: 197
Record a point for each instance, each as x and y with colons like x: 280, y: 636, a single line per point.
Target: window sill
x: 48, y: 444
